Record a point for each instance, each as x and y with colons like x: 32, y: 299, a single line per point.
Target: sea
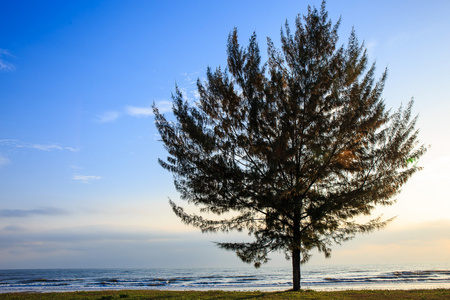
x: 340, y: 277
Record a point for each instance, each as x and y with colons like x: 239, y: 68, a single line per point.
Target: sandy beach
x: 303, y: 294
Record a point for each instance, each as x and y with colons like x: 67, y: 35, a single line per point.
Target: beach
x: 303, y: 294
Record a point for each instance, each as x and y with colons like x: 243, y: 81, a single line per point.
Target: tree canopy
x: 295, y: 147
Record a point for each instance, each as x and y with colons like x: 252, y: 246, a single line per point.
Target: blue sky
x: 80, y: 185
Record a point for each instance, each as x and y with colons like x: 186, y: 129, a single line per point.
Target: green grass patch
x: 304, y: 294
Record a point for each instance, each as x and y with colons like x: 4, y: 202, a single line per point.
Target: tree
x: 295, y: 148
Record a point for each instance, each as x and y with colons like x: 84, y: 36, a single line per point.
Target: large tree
x: 293, y: 149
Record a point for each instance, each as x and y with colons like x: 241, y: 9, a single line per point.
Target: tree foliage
x: 296, y: 147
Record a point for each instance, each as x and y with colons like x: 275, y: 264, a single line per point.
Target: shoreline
x: 268, y: 289
x: 368, y: 294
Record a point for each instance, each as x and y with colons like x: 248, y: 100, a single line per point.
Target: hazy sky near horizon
x: 80, y: 185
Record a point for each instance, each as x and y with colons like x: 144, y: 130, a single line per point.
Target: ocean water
x: 404, y: 276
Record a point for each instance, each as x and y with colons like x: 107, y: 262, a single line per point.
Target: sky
x: 80, y: 185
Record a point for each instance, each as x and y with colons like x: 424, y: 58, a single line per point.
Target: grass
x: 304, y: 294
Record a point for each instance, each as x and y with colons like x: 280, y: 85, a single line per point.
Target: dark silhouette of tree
x: 295, y: 148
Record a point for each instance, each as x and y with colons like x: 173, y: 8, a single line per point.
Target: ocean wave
x: 395, y: 277
x: 265, y: 278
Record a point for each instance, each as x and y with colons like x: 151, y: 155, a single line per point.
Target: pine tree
x: 295, y: 148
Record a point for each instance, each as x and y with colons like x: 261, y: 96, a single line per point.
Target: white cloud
x: 135, y: 111
x: 196, y: 95
x: 190, y: 78
x: 164, y: 106
x: 189, y: 87
x: 105, y: 245
x: 109, y: 116
x: 187, y: 94
x: 86, y: 178
x: 139, y: 111
x: 71, y: 149
x: 5, y: 66
x: 48, y: 147
x: 43, y: 147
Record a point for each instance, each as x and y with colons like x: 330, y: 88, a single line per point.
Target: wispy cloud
x: 421, y: 242
x: 86, y: 178
x: 190, y: 78
x: 164, y: 106
x: 189, y: 87
x: 22, y: 213
x: 91, y: 236
x: 139, y: 111
x: 43, y: 147
x: 135, y: 111
x: 5, y: 66
x: 109, y: 116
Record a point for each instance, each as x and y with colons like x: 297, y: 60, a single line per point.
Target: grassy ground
x: 304, y: 294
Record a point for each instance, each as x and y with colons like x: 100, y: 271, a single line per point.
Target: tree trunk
x: 296, y: 252
x: 296, y: 269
